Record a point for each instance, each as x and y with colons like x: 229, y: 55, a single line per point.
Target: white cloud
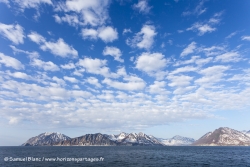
x: 189, y: 49
x: 143, y: 39
x: 231, y: 35
x: 207, y: 26
x: 132, y: 58
x: 68, y: 66
x: 121, y: 71
x: 180, y: 31
x: 126, y: 30
x: 201, y: 62
x: 70, y: 19
x: 228, y: 57
x: 201, y: 28
x: 213, y: 50
x: 113, y: 51
x: 30, y: 54
x: 247, y: 38
x: 214, y: 69
x: 194, y: 59
x: 79, y: 72
x: 59, y: 81
x: 184, y: 62
x: 170, y: 42
x: 142, y: 6
x: 13, y: 32
x: 20, y: 75
x: 76, y: 87
x: 47, y: 66
x: 211, y: 75
x: 94, y: 12
x: 243, y: 77
x: 184, y: 69
x: 180, y: 80
x: 89, y: 33
x: 13, y: 120
x: 151, y: 62
x: 70, y: 79
x: 93, y: 81
x: 37, y: 38
x: 32, y: 3
x: 108, y: 96
x: 57, y: 19
x: 59, y: 48
x: 183, y: 90
x: 199, y: 9
x: 94, y: 66
x: 132, y: 83
x: 11, y: 62
x: 6, y: 2
x: 107, y: 34
x: 158, y: 87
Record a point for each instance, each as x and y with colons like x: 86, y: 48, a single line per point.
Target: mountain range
x: 220, y: 137
x: 98, y: 139
x: 177, y: 141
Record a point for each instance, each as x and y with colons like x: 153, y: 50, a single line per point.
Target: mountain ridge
x: 223, y: 136
x: 97, y: 139
x: 47, y: 138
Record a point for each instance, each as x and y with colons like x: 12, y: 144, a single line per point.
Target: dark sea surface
x: 119, y: 156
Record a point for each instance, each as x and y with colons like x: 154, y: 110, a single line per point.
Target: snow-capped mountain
x: 46, y: 139
x: 134, y: 139
x: 97, y: 139
x: 246, y: 132
x: 177, y: 141
x: 219, y: 137
x: 223, y: 137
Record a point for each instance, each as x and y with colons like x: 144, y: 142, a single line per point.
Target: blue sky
x: 162, y: 67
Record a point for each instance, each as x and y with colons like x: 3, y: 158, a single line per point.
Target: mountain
x: 46, y: 139
x: 122, y: 139
x: 219, y: 137
x: 97, y: 139
x: 178, y: 141
x: 135, y: 139
x: 223, y: 137
x: 246, y: 132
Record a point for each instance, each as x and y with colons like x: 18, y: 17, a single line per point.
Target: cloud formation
x: 107, y: 34
x: 11, y: 62
x: 206, y: 26
x: 113, y: 51
x: 142, y: 6
x: 143, y: 39
x: 92, y: 12
x: 13, y: 32
x: 189, y: 49
x: 58, y: 48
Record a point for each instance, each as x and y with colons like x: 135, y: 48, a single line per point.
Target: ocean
x: 119, y: 156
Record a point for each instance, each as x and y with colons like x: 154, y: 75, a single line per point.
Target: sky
x: 165, y: 68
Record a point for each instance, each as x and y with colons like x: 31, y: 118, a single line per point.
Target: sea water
x: 119, y: 156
